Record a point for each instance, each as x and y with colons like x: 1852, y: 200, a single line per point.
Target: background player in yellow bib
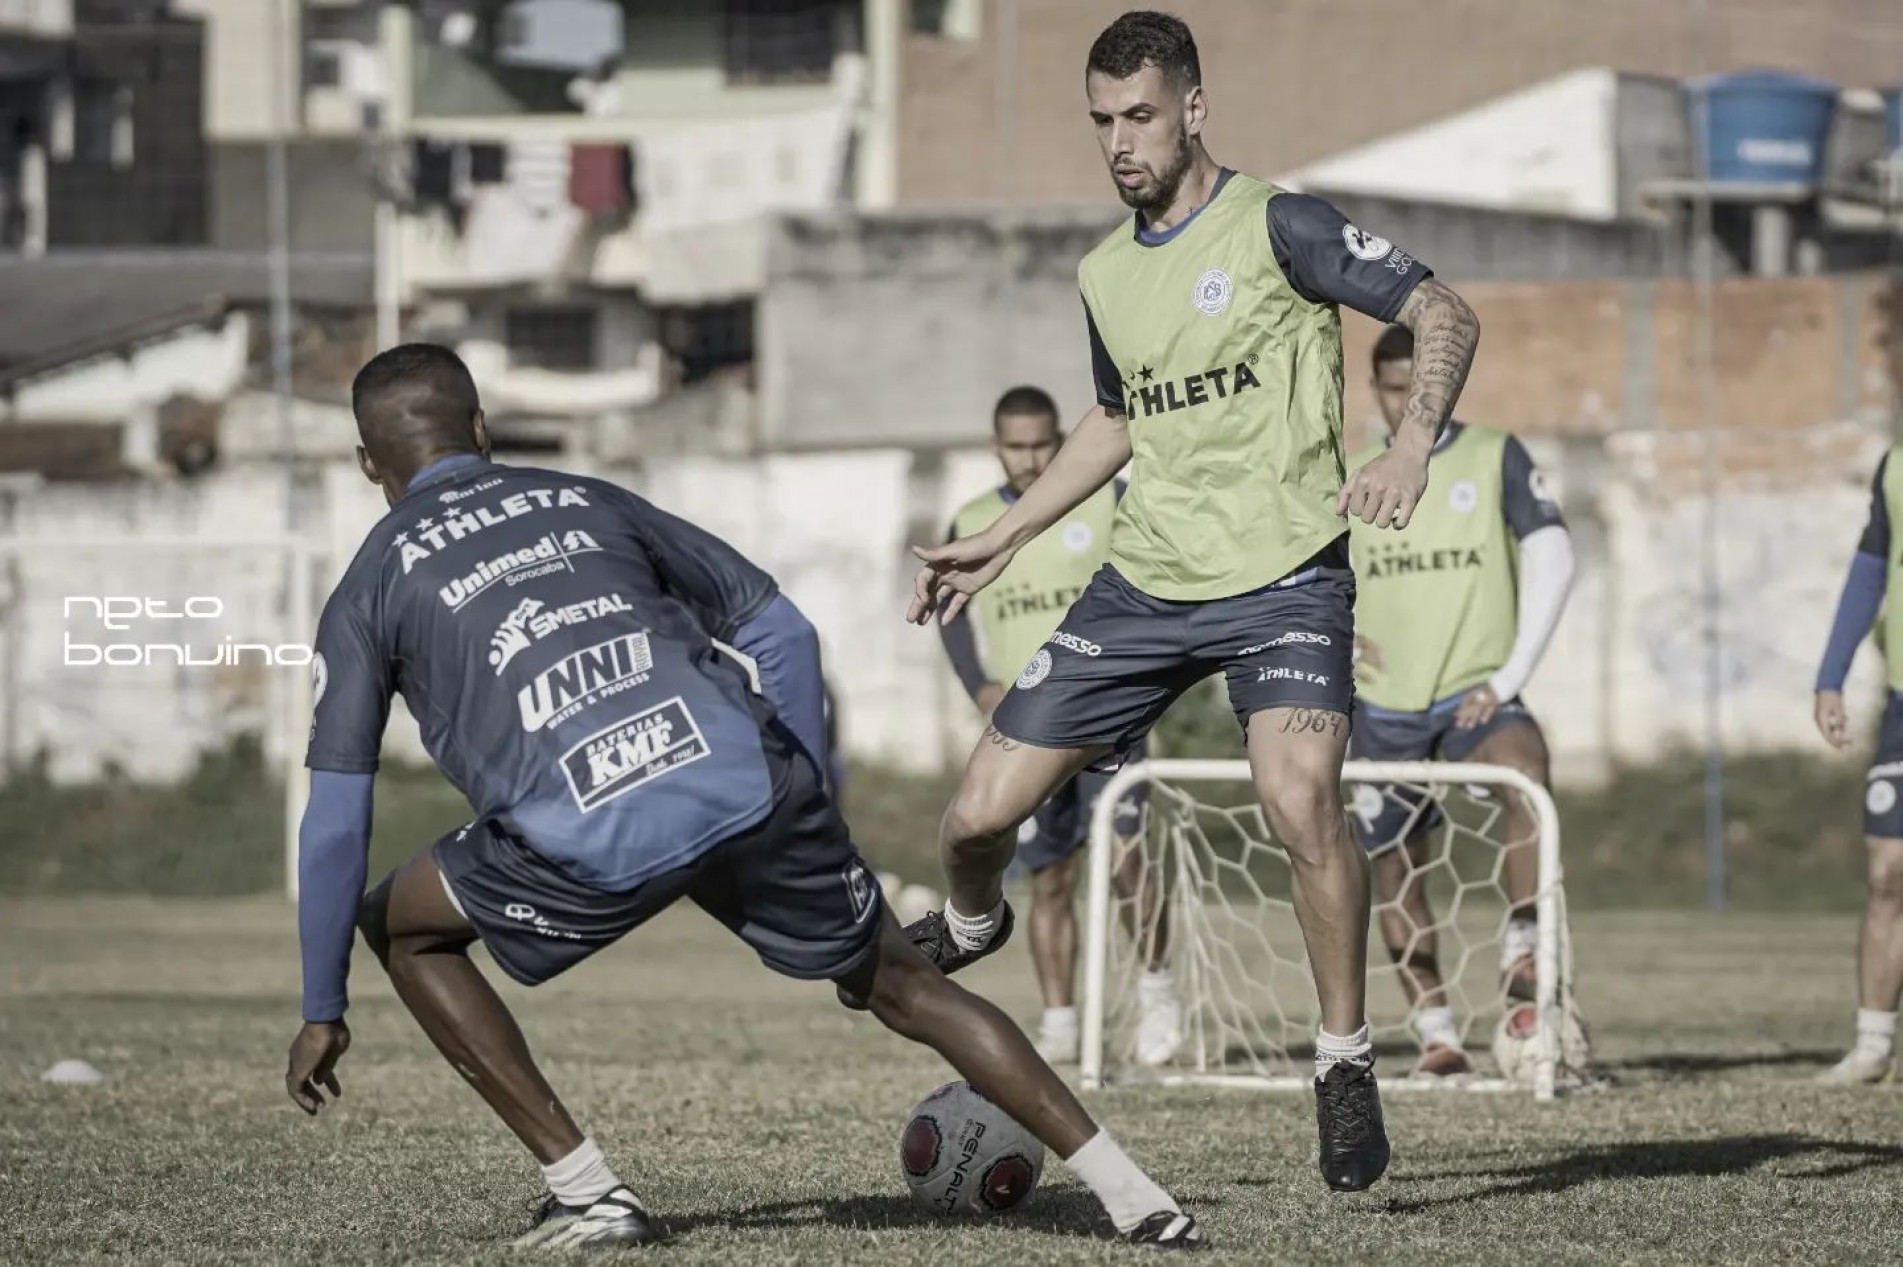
x: 1007, y: 624
x: 1880, y: 946
x: 1452, y: 616
x: 1216, y: 342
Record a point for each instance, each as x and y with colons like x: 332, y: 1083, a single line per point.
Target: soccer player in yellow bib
x: 1216, y: 341
x: 1006, y: 625
x: 1451, y: 619
x: 1872, y: 1058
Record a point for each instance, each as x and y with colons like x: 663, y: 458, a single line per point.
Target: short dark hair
x: 1144, y: 37
x: 414, y: 403
x: 1024, y: 400
x: 1395, y: 344
x: 426, y: 365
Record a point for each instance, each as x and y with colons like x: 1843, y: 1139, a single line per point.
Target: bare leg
x: 1054, y: 931
x: 1880, y: 941
x: 1407, y: 923
x: 425, y: 947
x: 1144, y: 918
x: 1295, y: 756
x: 1005, y: 782
x: 1519, y: 747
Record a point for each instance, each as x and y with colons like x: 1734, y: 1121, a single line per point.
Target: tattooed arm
x: 1446, y: 332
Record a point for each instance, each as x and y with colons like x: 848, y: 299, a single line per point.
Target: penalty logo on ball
x: 1036, y: 671
x: 1213, y: 292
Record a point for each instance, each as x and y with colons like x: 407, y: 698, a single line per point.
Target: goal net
x: 1205, y: 890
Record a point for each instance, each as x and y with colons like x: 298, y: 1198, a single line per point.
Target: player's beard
x: 1156, y: 197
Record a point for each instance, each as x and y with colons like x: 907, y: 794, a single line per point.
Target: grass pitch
x: 761, y: 1120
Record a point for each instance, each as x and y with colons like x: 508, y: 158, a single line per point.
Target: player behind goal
x: 1215, y: 334
x: 1009, y: 622
x: 1452, y: 617
x: 1872, y: 1057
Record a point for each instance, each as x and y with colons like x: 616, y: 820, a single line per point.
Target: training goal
x: 1207, y: 877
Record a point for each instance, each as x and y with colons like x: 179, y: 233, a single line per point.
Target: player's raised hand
x: 952, y: 573
x: 1385, y: 491
x: 1831, y: 721
x: 314, y: 1056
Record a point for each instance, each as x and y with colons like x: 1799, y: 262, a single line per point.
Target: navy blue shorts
x: 1061, y: 825
x: 1882, y: 806
x: 792, y: 887
x: 1385, y: 815
x: 1122, y: 657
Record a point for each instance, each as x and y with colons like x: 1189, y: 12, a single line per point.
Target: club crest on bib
x: 1463, y: 496
x: 1213, y: 292
x: 1364, y: 246
x: 1036, y: 671
x: 1078, y: 536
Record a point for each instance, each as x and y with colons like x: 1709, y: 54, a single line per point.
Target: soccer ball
x: 961, y: 1154
x: 1516, y: 1043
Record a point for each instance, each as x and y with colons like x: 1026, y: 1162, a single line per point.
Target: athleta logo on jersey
x: 1027, y: 602
x: 1141, y: 401
x: 550, y: 554
x: 633, y: 751
x: 1385, y: 561
x: 432, y: 534
x: 533, y: 620
x: 578, y: 680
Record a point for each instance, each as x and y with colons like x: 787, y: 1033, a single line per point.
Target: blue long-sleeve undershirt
x: 1856, y: 612
x: 333, y: 858
x: 785, y: 647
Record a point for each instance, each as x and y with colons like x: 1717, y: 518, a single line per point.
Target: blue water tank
x: 1765, y: 127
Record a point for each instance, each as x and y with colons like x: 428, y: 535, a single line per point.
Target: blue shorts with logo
x: 1122, y: 657
x: 1385, y: 815
x: 792, y: 887
x: 1883, y: 786
x: 1061, y: 825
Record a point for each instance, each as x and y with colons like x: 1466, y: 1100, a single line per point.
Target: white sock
x: 1330, y: 1049
x: 1522, y: 939
x: 583, y: 1177
x: 1876, y: 1031
x: 1435, y: 1027
x: 973, y: 932
x: 1156, y: 985
x: 1129, y: 1196
x: 1060, y: 1020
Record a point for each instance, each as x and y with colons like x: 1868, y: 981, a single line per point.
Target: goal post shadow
x: 1240, y: 1010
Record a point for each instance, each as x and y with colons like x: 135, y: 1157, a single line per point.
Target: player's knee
x: 373, y: 919
x: 979, y: 820
x: 1306, y: 816
x: 1055, y: 885
x: 1886, y: 873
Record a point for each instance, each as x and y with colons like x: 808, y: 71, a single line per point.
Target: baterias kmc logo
x: 621, y: 757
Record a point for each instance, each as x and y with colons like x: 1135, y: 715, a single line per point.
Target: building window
x: 705, y: 340
x: 947, y: 19
x: 547, y: 338
x: 102, y: 123
x: 787, y: 41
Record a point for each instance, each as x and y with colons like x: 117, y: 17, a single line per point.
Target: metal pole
x: 1703, y: 263
x: 278, y: 209
x: 396, y: 37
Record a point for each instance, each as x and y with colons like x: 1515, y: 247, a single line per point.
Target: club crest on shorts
x: 1464, y: 496
x: 1037, y: 670
x: 1078, y: 536
x: 858, y: 890
x: 1213, y: 292
x: 1364, y: 246
x: 1881, y: 797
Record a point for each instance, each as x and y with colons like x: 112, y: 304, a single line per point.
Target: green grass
x: 762, y: 1120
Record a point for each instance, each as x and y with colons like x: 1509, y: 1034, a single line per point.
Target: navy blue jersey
x: 553, y: 637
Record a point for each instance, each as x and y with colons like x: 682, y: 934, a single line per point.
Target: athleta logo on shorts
x: 550, y: 554
x: 523, y: 913
x: 432, y: 534
x: 1277, y: 673
x: 578, y: 680
x: 1291, y: 638
x: 533, y: 620
x: 619, y: 758
x: 1071, y: 642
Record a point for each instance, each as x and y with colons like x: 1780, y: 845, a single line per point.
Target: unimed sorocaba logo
x: 194, y: 644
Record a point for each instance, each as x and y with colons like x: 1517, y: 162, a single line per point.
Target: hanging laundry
x: 598, y: 178
x: 538, y: 171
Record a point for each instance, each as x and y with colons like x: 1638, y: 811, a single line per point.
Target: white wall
x: 207, y: 362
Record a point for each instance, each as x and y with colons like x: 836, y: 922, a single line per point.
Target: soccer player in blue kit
x: 554, y: 637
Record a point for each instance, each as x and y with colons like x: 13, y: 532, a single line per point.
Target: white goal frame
x: 1552, y: 956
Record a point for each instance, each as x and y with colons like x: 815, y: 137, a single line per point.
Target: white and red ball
x: 961, y: 1154
x: 1516, y: 1042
